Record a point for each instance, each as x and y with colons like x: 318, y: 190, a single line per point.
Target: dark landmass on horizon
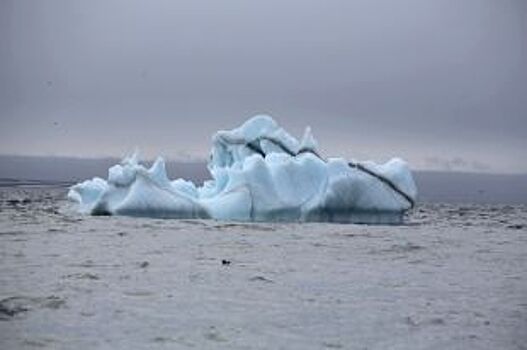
x: 434, y: 186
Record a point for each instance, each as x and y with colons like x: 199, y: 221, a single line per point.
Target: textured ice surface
x: 454, y: 277
x: 260, y: 173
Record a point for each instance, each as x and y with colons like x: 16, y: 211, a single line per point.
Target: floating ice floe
x: 259, y: 173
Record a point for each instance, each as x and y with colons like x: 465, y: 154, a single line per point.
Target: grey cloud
x: 415, y: 78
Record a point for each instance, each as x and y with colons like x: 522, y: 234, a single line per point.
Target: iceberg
x: 259, y: 172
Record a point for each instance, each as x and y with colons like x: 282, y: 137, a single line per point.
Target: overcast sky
x: 441, y: 83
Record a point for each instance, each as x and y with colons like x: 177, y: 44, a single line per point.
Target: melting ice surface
x: 259, y: 173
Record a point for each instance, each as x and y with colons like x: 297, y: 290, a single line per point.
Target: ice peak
x: 308, y: 140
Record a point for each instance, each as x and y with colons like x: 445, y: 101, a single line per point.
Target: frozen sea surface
x: 452, y: 277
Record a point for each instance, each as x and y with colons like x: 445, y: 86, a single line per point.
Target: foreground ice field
x: 453, y: 277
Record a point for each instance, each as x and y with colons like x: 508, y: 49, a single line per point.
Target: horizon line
x: 196, y: 160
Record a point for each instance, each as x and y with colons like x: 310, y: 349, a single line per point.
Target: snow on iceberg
x: 259, y: 173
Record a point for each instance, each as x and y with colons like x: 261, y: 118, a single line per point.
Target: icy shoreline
x: 452, y: 278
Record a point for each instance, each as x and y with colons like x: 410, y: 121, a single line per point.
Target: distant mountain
x: 458, y: 187
x: 78, y: 169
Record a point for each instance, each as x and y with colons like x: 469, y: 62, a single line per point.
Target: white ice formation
x: 259, y: 173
